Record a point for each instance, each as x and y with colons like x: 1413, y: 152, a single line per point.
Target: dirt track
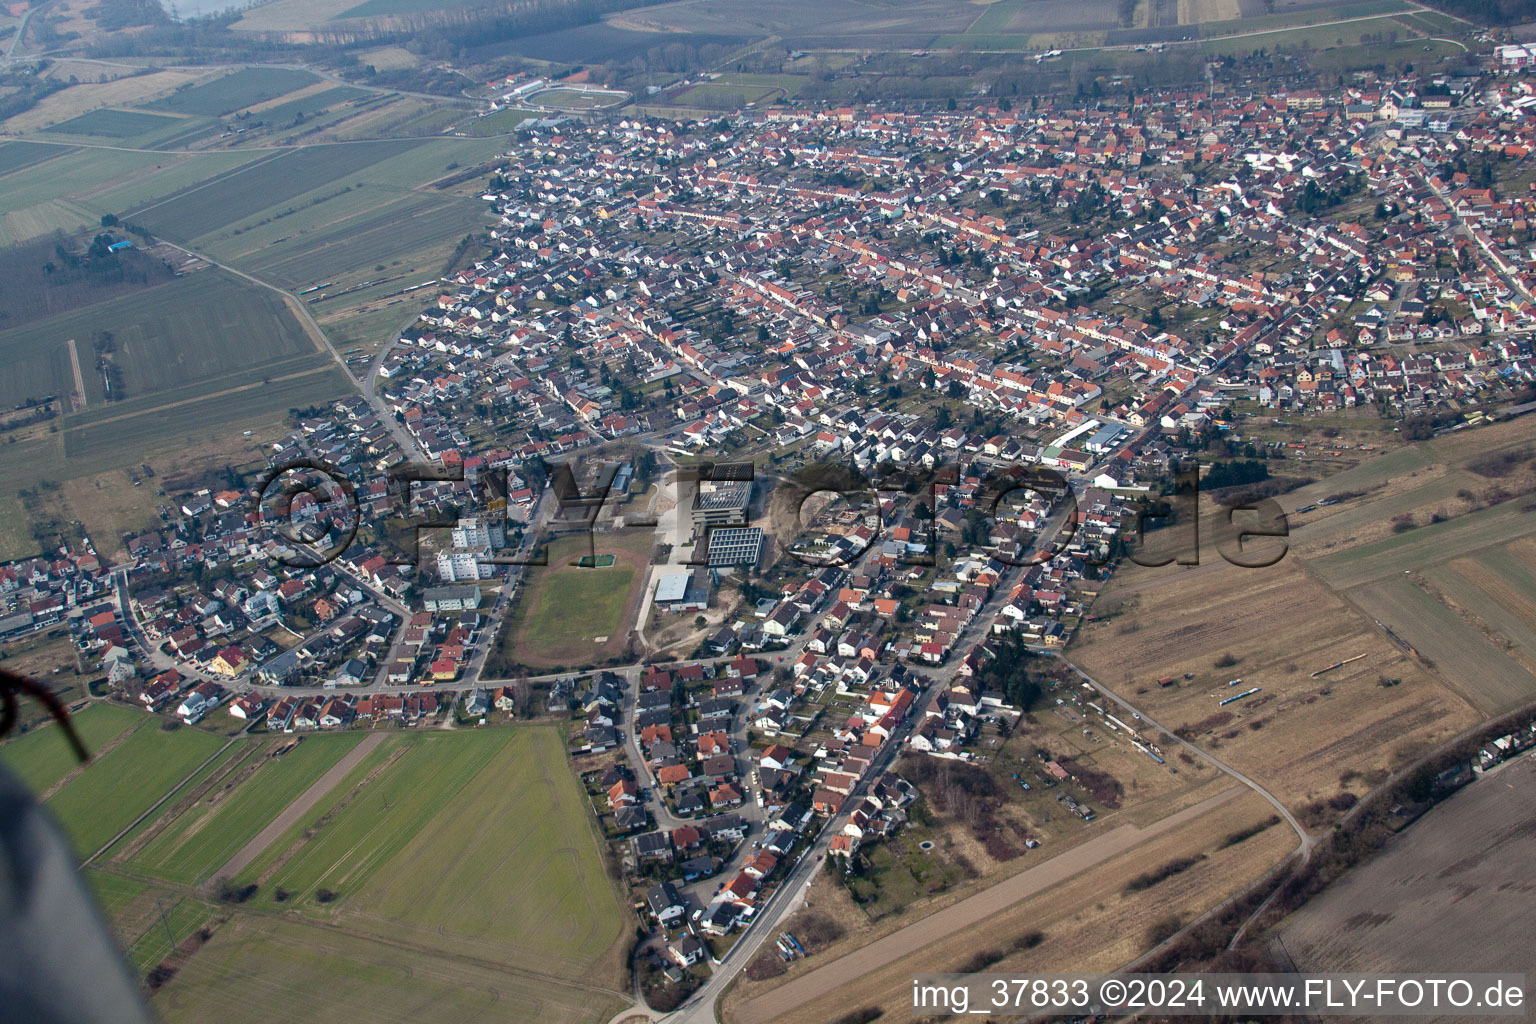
x: 967, y: 913
x: 301, y: 806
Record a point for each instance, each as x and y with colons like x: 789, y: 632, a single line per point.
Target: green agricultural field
x: 995, y: 17
x: 1306, y: 16
x: 1487, y: 676
x: 116, y: 788
x: 185, y: 330
x: 233, y: 92
x: 40, y: 199
x: 114, y: 124
x: 1426, y: 545
x: 266, y: 186
x: 183, y: 916
x: 308, y: 106
x: 366, y: 832
x: 95, y: 448
x: 447, y: 852
x: 204, y: 837
x: 1318, y: 37
x: 175, y: 172
x: 393, y: 227
x: 518, y: 868
x: 16, y: 155
x: 113, y: 892
x: 279, y: 971
x: 43, y: 756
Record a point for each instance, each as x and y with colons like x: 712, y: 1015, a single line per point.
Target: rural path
x: 1308, y: 841
x: 301, y: 806
x: 968, y: 913
x: 366, y: 388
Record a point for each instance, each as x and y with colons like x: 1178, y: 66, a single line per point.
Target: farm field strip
x: 350, y: 847
x: 521, y: 820
x: 16, y: 156
x: 1484, y: 674
x: 203, y: 838
x: 248, y: 192
x: 1508, y: 610
x: 99, y: 447
x: 165, y: 336
x: 272, y: 970
x: 42, y: 757
x: 1426, y: 545
x: 116, y: 788
x: 232, y: 92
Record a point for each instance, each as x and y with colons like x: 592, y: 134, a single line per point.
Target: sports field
x: 568, y: 614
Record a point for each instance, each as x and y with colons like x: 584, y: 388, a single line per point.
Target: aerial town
x: 780, y: 455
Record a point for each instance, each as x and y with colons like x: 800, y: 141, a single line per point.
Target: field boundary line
x: 194, y: 773
x: 300, y: 806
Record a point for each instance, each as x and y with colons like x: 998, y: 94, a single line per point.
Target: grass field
x: 279, y: 971
x: 114, y: 124
x: 467, y: 853
x: 43, y: 756
x: 119, y: 786
x: 205, y: 836
x: 232, y: 92
x: 570, y: 614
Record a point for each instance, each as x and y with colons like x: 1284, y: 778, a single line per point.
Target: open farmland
x: 244, y: 193
x: 232, y: 92
x: 1448, y: 894
x: 201, y: 838
x: 1487, y: 676
x: 1078, y: 903
x: 197, y: 423
x: 569, y: 614
x: 16, y: 155
x: 189, y: 329
x: 276, y: 971
x: 1271, y: 628
x: 469, y: 853
x: 42, y: 757
x: 116, y: 788
x: 114, y: 124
